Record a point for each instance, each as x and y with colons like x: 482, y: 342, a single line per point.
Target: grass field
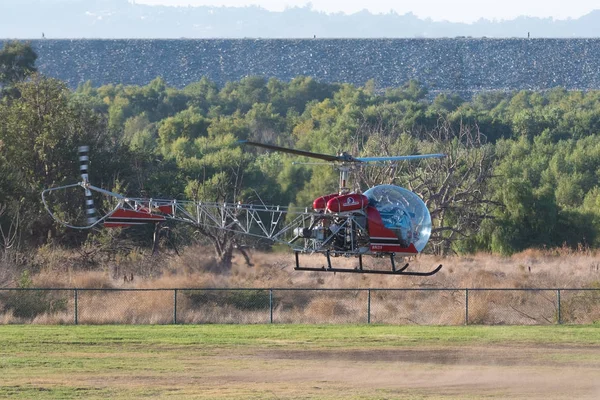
x: 300, y: 362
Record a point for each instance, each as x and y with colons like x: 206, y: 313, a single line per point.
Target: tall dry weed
x: 326, y: 308
x: 132, y: 307
x: 196, y: 268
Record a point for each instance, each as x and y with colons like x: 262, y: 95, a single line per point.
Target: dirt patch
x: 522, y: 372
x: 466, y: 356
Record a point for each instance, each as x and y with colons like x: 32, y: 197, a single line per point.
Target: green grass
x: 316, y: 336
x: 218, y: 361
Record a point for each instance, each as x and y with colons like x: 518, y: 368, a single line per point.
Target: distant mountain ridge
x: 30, y: 19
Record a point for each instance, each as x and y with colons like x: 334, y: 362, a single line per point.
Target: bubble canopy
x: 403, y: 212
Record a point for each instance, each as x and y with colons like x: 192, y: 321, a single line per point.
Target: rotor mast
x: 344, y: 175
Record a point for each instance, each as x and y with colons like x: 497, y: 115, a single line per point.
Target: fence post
x: 466, y: 306
x: 558, y: 306
x: 368, y: 306
x: 75, y: 295
x: 270, y: 306
x: 174, y: 306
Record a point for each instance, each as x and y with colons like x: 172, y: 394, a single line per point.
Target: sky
x: 437, y: 10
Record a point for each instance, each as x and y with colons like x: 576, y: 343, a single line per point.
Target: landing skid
x: 360, y: 270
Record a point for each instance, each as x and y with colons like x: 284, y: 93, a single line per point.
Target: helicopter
x: 386, y: 221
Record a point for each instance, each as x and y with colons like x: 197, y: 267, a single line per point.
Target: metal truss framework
x: 276, y: 223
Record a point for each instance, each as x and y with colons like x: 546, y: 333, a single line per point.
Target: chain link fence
x: 301, y: 306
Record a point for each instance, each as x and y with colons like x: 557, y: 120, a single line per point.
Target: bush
x: 30, y: 302
x: 239, y: 299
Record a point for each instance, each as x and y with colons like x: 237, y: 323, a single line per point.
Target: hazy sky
x: 450, y: 10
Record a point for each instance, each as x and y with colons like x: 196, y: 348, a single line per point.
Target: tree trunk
x: 223, y: 254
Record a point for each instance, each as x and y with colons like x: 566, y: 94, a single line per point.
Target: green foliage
x: 29, y: 302
x: 447, y: 103
x: 412, y: 91
x: 40, y: 132
x: 17, y: 62
x: 239, y: 299
x: 549, y: 191
x: 188, y: 125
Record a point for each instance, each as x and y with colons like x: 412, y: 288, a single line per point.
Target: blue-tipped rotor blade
x: 400, y: 158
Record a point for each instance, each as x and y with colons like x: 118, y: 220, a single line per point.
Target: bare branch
x: 453, y: 188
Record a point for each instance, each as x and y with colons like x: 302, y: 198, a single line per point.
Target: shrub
x: 239, y: 299
x: 29, y: 302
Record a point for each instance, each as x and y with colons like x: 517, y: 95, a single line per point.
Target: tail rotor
x: 84, y: 160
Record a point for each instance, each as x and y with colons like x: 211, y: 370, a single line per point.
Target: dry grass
x: 556, y: 268
x: 196, y: 268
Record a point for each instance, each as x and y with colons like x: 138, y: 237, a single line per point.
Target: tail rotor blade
x: 90, y: 210
x: 84, y: 160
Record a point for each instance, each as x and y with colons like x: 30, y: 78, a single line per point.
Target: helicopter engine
x: 343, y: 223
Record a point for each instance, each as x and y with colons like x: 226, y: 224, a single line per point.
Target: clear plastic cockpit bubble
x: 403, y: 212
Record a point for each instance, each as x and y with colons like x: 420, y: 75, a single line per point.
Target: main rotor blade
x: 293, y: 151
x: 344, y: 157
x: 400, y: 158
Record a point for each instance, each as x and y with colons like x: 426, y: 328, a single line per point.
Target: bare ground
x: 449, y: 372
x: 525, y: 372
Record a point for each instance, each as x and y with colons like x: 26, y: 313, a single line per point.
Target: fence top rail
x: 428, y: 289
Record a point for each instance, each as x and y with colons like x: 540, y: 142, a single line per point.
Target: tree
x: 40, y: 132
x: 412, y: 90
x: 224, y: 167
x: 548, y: 191
x: 454, y: 188
x: 17, y: 62
x: 188, y: 124
x: 447, y: 102
x: 202, y: 94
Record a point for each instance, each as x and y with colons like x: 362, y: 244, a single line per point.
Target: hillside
x: 442, y: 65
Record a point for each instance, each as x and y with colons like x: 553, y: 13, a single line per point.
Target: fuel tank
x: 348, y: 202
x: 320, y: 204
